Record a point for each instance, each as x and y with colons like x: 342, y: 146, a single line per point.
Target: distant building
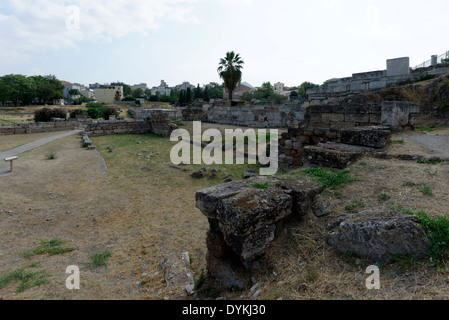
x: 109, y: 94
x: 279, y: 87
x: 142, y: 86
x: 94, y: 86
x: 69, y: 86
x: 163, y: 89
x: 88, y: 93
x: 238, y: 91
x: 184, y: 86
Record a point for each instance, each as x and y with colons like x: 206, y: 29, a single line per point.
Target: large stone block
x: 375, y: 137
x: 378, y: 236
x: 398, y: 67
x: 332, y: 155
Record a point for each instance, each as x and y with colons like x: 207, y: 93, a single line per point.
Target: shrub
x: 109, y: 111
x: 95, y: 113
x: 94, y: 105
x: 46, y: 114
x: 77, y: 112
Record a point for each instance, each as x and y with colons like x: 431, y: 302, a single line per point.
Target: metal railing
x: 440, y: 59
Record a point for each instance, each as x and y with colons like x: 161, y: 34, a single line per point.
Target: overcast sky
x: 134, y: 41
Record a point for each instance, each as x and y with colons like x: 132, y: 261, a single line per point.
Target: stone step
x: 334, y: 155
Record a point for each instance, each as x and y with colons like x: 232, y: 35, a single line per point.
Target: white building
x: 278, y: 87
x: 163, y: 89
x: 69, y: 86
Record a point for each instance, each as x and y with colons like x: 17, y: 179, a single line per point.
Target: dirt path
x: 433, y: 144
x: 34, y: 144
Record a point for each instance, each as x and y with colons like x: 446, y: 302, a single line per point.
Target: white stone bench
x: 11, y: 160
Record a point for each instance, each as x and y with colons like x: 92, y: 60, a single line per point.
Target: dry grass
x: 143, y: 215
x: 15, y: 140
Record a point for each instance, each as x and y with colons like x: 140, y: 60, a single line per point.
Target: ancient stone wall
x: 365, y: 125
x: 36, y: 127
x: 142, y: 114
x: 102, y: 128
x: 270, y: 116
x: 159, y: 123
x: 194, y: 114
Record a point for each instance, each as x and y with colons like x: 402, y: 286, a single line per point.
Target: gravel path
x: 37, y: 143
x: 435, y: 145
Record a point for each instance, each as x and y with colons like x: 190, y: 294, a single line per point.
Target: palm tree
x: 230, y: 70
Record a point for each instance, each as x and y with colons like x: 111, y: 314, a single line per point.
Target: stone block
x: 337, y: 156
x: 378, y: 236
x: 375, y: 137
x: 398, y: 67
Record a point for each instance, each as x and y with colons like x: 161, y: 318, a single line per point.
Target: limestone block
x: 378, y: 236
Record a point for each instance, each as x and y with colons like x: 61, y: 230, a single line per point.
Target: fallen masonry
x: 378, y: 236
x: 244, y: 220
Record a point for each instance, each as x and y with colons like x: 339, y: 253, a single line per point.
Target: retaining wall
x: 274, y: 116
x: 37, y: 127
x: 327, y: 123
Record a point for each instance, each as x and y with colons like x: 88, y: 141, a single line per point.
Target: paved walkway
x: 34, y: 144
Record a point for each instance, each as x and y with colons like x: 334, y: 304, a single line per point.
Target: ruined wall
x: 257, y: 116
x: 159, y: 123
x: 36, y: 127
x: 369, y: 81
x: 194, y: 114
x: 102, y: 128
x: 341, y: 123
x: 142, y: 114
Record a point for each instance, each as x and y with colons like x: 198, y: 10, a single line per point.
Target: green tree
x: 294, y: 95
x: 138, y: 93
x: 127, y: 91
x: 198, y: 92
x: 230, y: 70
x: 17, y: 89
x: 74, y: 92
x: 247, y: 96
x: 206, y: 94
x: 188, y: 96
x: 306, y: 85
x: 174, y: 95
x: 182, y: 101
x: 215, y: 90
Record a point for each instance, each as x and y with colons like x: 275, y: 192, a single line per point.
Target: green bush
x: 77, y: 112
x: 95, y: 113
x: 45, y: 114
x: 109, y: 111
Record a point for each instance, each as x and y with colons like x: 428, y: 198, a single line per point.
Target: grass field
x: 118, y: 226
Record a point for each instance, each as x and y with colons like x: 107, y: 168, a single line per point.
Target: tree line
x: 20, y: 89
x: 177, y: 97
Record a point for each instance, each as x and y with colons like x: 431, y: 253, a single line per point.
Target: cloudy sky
x: 290, y: 41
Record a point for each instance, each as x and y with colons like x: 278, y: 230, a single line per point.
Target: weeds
x: 51, y: 247
x: 397, y: 141
x: 99, y: 259
x: 426, y: 190
x: 330, y: 178
x: 353, y: 207
x: 437, y: 233
x: 26, y: 279
x: 257, y: 185
x: 51, y: 156
x: 432, y: 174
x: 423, y: 129
x: 383, y: 197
